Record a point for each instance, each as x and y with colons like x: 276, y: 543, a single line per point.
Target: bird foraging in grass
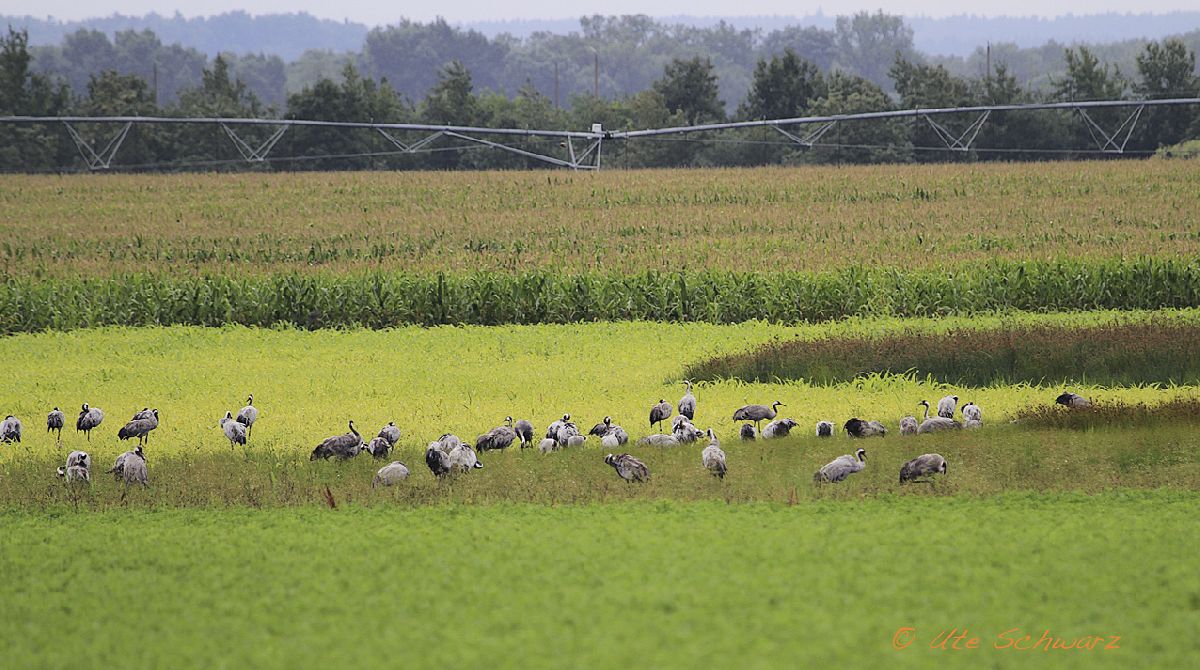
x: 842, y: 467
x: 628, y: 468
x: 924, y: 465
x: 713, y: 457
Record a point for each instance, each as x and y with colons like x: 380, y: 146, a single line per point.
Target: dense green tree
x: 452, y: 100
x: 690, y: 87
x: 783, y: 87
x: 24, y: 93
x: 1166, y: 70
x: 865, y: 142
x: 356, y: 98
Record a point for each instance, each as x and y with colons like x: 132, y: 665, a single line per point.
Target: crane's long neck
x: 926, y: 410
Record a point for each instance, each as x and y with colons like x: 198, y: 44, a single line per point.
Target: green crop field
x: 446, y: 302
x: 661, y: 585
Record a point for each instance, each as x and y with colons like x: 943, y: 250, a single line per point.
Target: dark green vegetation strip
x: 1111, y: 413
x: 1107, y: 355
x: 994, y: 460
x: 595, y: 586
x: 382, y: 299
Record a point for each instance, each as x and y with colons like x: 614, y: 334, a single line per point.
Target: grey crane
x: 713, y: 457
x: 842, y: 467
x: 748, y: 433
x: 78, y: 467
x: 824, y: 429
x: 757, y: 413
x: 55, y: 421
x: 687, y: 404
x: 449, y: 441
x: 463, y: 459
x: 610, y: 441
x: 134, y: 470
x: 145, y: 413
x: 140, y: 427
x: 684, y: 431
x: 378, y: 447
x: 10, y: 429
x: 858, y: 428
x: 118, y: 468
x: 932, y: 424
x: 500, y: 437
x: 248, y: 415
x: 908, y: 425
x: 566, y: 430
x: 525, y: 432
x: 576, y: 441
x: 607, y: 428
x: 437, y: 459
x: 391, y: 474
x: 548, y: 445
x: 946, y: 406
x: 89, y: 418
x: 390, y: 433
x: 1073, y: 400
x: 924, y: 465
x: 659, y: 440
x: 778, y: 428
x: 629, y: 468
x: 235, y: 431
x: 972, y: 416
x: 342, y: 447
x: 552, y: 429
x: 659, y: 413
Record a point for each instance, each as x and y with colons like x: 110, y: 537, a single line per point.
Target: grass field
x: 466, y: 380
x: 638, y: 585
x: 767, y: 219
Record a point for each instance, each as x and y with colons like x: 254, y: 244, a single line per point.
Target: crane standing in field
x: 54, y: 423
x: 140, y: 426
x: 391, y: 474
x: 525, y: 432
x: 946, y: 406
x: 660, y: 412
x: 235, y: 431
x: 10, y: 429
x: 757, y: 414
x: 687, y: 404
x: 500, y: 437
x: 713, y: 457
x: 248, y: 415
x: 89, y: 418
x: 824, y: 429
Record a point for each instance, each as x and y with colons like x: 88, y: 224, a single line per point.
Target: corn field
x: 381, y: 299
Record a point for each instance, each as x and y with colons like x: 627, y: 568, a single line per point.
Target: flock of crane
x: 449, y: 454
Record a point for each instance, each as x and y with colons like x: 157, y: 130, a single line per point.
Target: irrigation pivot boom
x: 582, y: 148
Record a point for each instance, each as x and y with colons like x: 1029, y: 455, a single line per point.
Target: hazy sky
x: 375, y: 12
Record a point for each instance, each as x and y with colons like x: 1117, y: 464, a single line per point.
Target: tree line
x: 686, y: 91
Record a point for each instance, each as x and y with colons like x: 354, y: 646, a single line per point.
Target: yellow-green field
x: 768, y: 219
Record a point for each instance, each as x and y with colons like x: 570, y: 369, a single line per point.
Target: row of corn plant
x: 378, y: 299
